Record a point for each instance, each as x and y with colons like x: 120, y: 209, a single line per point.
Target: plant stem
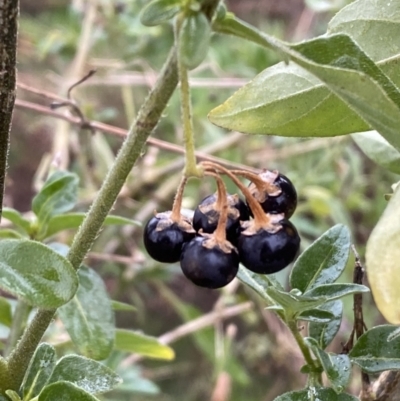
x: 20, y: 357
x: 147, y: 119
x: 8, y: 54
x: 186, y: 111
x: 19, y: 319
x: 314, y: 375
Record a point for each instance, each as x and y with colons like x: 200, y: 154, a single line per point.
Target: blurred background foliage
x: 251, y: 355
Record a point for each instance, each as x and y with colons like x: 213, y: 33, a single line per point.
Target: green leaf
x: 10, y: 233
x: 344, y: 68
x: 194, y: 40
x: 122, y: 306
x: 138, y: 343
x: 315, y: 394
x: 13, y: 395
x: 35, y: 273
x: 74, y: 220
x: 65, y: 391
x: 58, y: 195
x: 374, y: 25
x: 316, y: 315
x: 40, y: 369
x: 89, y: 318
x: 323, y: 261
x: 16, y: 218
x: 134, y: 382
x: 336, y: 367
x: 379, y: 150
x: 292, y: 303
x: 335, y: 291
x: 374, y: 353
x: 382, y: 254
x: 159, y: 11
x: 87, y: 374
x: 325, y: 333
x: 258, y: 282
x: 5, y: 312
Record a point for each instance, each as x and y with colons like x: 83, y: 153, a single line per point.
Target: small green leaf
x: 379, y: 150
x: 5, y: 312
x: 194, y: 40
x: 159, y: 11
x: 39, y: 370
x: 336, y: 367
x: 13, y: 395
x: 87, y: 374
x: 382, y: 254
x: 122, y: 306
x: 65, y: 391
x: 374, y: 353
x: 325, y: 333
x: 58, y: 195
x: 316, y: 315
x: 35, y: 273
x: 294, y: 304
x: 16, y: 218
x: 323, y: 261
x: 89, y: 318
x: 258, y: 282
x: 335, y: 291
x: 316, y: 394
x: 134, y: 382
x: 138, y: 343
x: 10, y: 233
x: 74, y: 220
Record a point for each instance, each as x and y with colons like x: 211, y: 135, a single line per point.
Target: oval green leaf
x: 334, y: 291
x: 138, y: 343
x: 323, y: 261
x: 16, y: 218
x: 374, y: 353
x: 382, y: 254
x: 324, y: 333
x: 89, y: 318
x: 58, y: 195
x: 40, y: 369
x: 379, y: 150
x: 87, y: 374
x: 68, y: 221
x: 36, y: 274
x: 194, y: 40
x: 159, y: 11
x: 336, y: 367
x: 65, y: 391
x: 316, y: 315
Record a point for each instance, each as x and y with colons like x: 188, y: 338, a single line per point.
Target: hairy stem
x: 19, y: 320
x: 8, y: 55
x: 147, y: 119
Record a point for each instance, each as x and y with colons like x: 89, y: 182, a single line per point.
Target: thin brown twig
x: 120, y: 132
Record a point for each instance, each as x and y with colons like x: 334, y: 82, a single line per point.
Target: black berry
x: 163, y: 238
x: 209, y: 264
x: 207, y: 213
x: 269, y: 250
x: 284, y: 200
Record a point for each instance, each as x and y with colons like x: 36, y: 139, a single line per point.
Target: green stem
x: 186, y: 111
x: 314, y: 375
x: 147, y: 119
x: 20, y: 357
x: 19, y: 319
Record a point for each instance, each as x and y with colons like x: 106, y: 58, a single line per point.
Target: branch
x: 8, y: 54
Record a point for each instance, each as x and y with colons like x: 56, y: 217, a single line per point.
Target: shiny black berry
x: 284, y: 200
x: 164, y: 238
x: 209, y: 264
x: 207, y: 213
x: 267, y: 251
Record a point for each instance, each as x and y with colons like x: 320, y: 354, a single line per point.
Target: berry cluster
x: 226, y: 231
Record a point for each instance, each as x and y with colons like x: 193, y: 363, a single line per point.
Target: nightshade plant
x: 341, y: 83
